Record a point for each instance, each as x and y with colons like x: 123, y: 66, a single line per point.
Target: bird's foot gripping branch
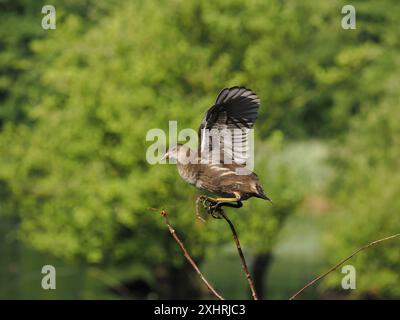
x: 211, y: 206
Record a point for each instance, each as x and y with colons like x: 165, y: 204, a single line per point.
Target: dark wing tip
x: 239, y: 103
x: 235, y: 92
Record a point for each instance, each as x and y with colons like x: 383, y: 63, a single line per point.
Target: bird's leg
x: 208, y: 202
x: 228, y: 201
x: 235, y: 199
x: 237, y: 205
x: 209, y: 199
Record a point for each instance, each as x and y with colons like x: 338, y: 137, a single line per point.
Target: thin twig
x: 244, y: 265
x: 187, y: 256
x: 341, y: 262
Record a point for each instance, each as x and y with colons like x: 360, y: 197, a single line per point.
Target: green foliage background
x: 77, y: 102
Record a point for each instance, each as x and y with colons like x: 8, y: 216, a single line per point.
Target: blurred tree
x: 366, y: 189
x: 18, y: 26
x: 366, y: 157
x: 20, y: 22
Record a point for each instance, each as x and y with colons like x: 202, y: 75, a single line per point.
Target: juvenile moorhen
x: 228, y: 122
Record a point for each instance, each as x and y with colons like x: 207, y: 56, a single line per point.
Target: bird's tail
x: 261, y: 194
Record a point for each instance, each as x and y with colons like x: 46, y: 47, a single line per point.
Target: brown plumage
x: 221, y: 171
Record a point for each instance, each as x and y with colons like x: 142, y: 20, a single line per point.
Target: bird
x: 224, y: 136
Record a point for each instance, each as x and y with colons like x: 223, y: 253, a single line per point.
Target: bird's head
x: 180, y: 153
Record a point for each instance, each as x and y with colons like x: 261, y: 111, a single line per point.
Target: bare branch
x: 187, y: 256
x: 244, y: 265
x: 341, y: 262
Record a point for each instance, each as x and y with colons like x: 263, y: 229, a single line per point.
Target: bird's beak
x: 165, y: 156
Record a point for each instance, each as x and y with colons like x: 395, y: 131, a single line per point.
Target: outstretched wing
x: 225, y: 128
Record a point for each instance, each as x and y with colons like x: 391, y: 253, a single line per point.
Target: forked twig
x: 341, y: 262
x: 187, y: 256
x: 244, y: 264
